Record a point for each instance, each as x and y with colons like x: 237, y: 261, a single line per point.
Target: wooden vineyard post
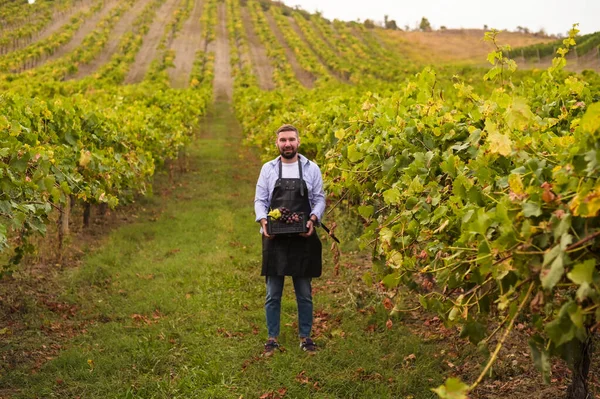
x: 102, y: 209
x: 63, y: 225
x: 86, y: 214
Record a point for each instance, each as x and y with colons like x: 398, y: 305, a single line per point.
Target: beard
x: 288, y: 154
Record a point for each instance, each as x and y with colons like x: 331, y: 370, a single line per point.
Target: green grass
x: 174, y: 306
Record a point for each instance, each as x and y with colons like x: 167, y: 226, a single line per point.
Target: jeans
x: 303, y: 290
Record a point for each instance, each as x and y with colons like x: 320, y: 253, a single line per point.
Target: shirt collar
x: 301, y: 158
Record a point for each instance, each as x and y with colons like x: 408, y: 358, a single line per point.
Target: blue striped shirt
x: 269, y: 174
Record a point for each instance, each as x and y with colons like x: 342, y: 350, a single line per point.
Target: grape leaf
x: 391, y: 196
x: 590, y: 123
x: 582, y: 272
x: 500, y: 143
x: 531, y: 209
x: 453, y: 388
x: 366, y: 211
x: 541, y: 359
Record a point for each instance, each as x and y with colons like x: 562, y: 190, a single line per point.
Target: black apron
x: 291, y: 255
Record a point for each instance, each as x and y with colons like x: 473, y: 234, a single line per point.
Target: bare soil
x: 121, y: 27
x: 185, y: 45
x: 149, y: 48
x: 261, y: 65
x: 223, y: 81
x: 86, y: 28
x: 306, y: 78
x: 59, y: 19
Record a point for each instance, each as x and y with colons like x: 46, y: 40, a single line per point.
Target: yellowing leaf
x: 516, y: 184
x: 452, y: 389
x: 590, y: 123
x: 340, y: 134
x: 500, y: 144
x: 395, y: 259
x: 386, y: 235
x: 84, y: 158
x: 564, y: 141
x: 518, y: 115
x: 588, y: 206
x: 367, y: 106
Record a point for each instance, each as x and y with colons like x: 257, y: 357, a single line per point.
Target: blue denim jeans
x: 303, y: 291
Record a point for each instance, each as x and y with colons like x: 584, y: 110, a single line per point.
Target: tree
x: 389, y: 23
x: 369, y: 24
x: 425, y: 26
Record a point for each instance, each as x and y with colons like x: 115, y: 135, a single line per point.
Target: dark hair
x: 287, y: 128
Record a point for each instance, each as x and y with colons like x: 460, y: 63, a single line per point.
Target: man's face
x: 288, y: 143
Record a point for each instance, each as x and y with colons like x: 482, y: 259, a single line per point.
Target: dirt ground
x: 149, y: 49
x: 86, y: 28
x: 121, y: 27
x: 305, y: 78
x: 260, y: 62
x: 185, y: 45
x: 59, y: 19
x: 223, y: 81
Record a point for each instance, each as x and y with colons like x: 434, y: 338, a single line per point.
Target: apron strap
x: 280, y: 172
x: 299, y: 173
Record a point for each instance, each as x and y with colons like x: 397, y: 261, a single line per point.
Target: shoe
x: 308, y: 346
x: 270, y: 347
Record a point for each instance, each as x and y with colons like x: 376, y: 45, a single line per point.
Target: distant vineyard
x: 585, y: 44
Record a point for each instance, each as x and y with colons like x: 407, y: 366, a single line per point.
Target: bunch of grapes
x: 288, y: 216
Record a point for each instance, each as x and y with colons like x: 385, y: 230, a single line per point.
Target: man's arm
x: 318, y: 196
x: 261, y: 198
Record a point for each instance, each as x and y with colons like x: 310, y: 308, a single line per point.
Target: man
x: 293, y: 182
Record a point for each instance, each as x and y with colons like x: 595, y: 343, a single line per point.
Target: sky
x: 554, y: 16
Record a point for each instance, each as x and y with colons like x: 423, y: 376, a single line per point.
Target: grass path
x: 174, y: 303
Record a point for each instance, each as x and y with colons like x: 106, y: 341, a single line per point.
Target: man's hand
x: 263, y: 223
x: 310, y: 225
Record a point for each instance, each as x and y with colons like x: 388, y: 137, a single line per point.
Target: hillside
x: 453, y: 45
x: 466, y: 46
